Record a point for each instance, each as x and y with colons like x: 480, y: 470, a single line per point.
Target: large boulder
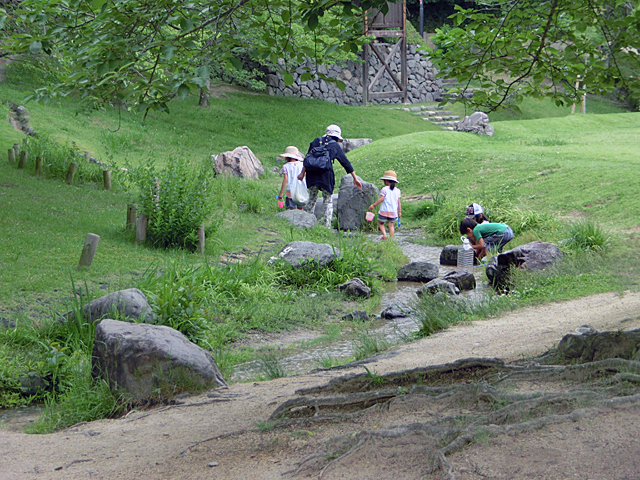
x: 131, y: 303
x: 349, y: 144
x: 477, y: 122
x: 150, y: 361
x: 593, y: 346
x: 300, y: 253
x: 299, y: 218
x: 418, y: 272
x: 353, y: 203
x: 240, y: 162
x: 531, y: 256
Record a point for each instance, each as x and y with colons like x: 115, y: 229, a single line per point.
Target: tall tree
x: 530, y: 48
x: 142, y: 53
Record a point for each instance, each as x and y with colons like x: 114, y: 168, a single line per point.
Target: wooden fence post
x: 89, y: 249
x: 71, y: 172
x: 132, y: 217
x: 12, y: 156
x: 39, y: 163
x: 106, y: 176
x: 141, y: 229
x: 23, y: 159
x: 200, y: 245
x: 16, y: 149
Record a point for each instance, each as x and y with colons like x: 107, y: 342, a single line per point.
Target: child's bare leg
x: 392, y: 229
x: 382, y: 230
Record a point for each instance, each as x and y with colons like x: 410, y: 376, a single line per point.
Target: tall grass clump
x: 366, y: 344
x: 433, y: 313
x: 586, y: 236
x: 57, y: 157
x: 176, y: 201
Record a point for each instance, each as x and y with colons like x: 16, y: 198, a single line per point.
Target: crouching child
x: 486, y: 236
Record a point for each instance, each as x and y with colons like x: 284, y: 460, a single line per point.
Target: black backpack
x: 319, y: 159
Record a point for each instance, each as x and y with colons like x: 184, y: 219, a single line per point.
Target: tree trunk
x: 205, y: 97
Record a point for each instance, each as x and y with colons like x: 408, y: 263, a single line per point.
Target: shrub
x: 176, y: 201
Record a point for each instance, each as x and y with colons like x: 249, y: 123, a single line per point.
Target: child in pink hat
x: 391, y: 209
x: 291, y: 169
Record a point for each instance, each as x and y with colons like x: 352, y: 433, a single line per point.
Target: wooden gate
x: 391, y: 25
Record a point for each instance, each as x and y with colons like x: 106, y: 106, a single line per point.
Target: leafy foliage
x: 143, y: 54
x: 513, y: 49
x: 176, y: 202
x: 586, y: 236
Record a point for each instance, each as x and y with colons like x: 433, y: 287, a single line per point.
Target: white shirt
x: 389, y: 206
x: 292, y: 169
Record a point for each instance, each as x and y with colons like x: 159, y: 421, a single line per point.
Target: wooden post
x: 23, y: 159
x: 89, y: 249
x: 87, y: 156
x: 12, y: 156
x: 39, y: 163
x: 25, y: 142
x: 200, y: 246
x: 573, y: 107
x: 141, y: 228
x: 132, y: 217
x: 106, y: 176
x: 71, y: 172
x: 16, y: 149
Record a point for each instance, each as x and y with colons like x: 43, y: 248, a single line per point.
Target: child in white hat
x: 391, y: 209
x: 291, y: 169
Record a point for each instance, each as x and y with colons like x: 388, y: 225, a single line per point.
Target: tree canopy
x: 142, y: 53
x: 510, y: 49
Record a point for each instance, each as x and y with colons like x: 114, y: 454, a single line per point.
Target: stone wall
x: 421, y: 83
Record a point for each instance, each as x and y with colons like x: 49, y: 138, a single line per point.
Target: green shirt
x: 487, y: 229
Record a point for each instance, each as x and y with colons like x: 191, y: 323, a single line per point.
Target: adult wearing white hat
x: 324, y: 180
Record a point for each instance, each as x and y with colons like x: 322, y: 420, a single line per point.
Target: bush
x: 586, y: 236
x: 176, y: 201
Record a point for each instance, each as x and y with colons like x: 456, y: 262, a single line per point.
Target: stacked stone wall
x: 422, y: 86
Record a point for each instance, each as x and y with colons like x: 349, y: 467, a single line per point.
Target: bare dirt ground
x: 405, y: 434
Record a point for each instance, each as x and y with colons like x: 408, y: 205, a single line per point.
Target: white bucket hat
x: 390, y: 175
x: 334, y: 131
x: 292, y: 152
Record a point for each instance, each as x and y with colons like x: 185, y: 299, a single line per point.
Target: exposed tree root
x: 456, y: 404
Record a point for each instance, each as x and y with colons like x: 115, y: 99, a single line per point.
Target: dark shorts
x: 382, y: 219
x: 496, y: 242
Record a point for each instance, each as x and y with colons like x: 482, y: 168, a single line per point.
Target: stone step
x: 446, y: 124
x: 441, y: 118
x: 432, y: 107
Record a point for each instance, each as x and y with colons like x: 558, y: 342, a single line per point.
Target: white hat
x: 390, y: 175
x: 334, y: 131
x: 474, y: 209
x: 292, y: 152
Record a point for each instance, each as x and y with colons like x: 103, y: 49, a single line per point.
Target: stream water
x: 300, y: 357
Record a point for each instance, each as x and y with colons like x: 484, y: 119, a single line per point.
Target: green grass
x: 552, y: 176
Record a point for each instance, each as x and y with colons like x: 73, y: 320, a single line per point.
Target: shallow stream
x: 299, y: 357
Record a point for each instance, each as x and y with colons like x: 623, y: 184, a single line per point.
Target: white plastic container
x: 465, y: 254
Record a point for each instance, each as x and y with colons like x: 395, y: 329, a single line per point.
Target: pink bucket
x: 280, y: 204
x: 369, y: 216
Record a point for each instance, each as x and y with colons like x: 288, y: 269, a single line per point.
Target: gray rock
x: 32, y: 384
x: 438, y: 285
x: 356, y: 315
x: 145, y: 360
x: 131, y: 303
x: 462, y: 279
x: 418, y: 272
x: 477, y: 122
x: 597, y: 346
x: 299, y: 218
x: 355, y: 288
x: 241, y: 162
x: 350, y: 144
x: 531, y: 256
x: 353, y: 203
x: 449, y: 255
x: 299, y: 253
x: 393, y: 311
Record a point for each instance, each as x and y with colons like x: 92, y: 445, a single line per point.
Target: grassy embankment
x: 547, y: 172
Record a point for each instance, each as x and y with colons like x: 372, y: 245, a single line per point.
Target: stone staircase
x: 435, y: 114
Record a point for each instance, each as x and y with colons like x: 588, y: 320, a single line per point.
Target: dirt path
x: 177, y: 442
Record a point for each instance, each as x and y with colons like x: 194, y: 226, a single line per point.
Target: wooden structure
x: 391, y: 25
